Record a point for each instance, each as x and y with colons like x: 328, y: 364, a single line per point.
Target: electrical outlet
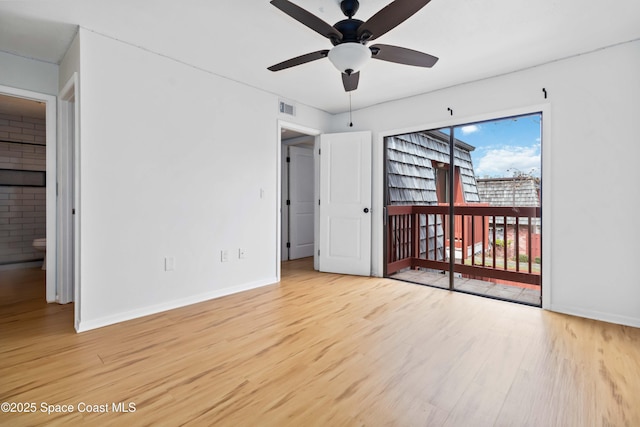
x: 242, y: 253
x: 169, y: 263
x: 224, y: 255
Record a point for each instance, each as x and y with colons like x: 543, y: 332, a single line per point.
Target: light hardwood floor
x: 320, y: 349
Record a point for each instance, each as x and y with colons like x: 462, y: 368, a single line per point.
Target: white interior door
x: 345, y: 203
x: 284, y: 208
x: 301, y: 202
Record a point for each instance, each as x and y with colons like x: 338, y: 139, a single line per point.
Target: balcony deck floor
x: 473, y: 286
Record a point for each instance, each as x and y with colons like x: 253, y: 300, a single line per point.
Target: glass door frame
x: 454, y: 174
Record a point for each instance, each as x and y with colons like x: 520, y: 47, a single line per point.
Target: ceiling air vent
x: 287, y: 108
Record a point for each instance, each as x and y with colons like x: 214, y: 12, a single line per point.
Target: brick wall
x: 22, y: 209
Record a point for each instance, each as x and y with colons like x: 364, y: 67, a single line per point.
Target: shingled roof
x: 410, y: 174
x: 516, y: 191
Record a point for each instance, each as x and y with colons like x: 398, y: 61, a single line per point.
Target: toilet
x: 41, y: 245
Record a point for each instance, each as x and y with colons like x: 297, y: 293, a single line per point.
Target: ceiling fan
x: 350, y: 36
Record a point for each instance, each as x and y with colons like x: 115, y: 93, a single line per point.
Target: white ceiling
x: 240, y: 39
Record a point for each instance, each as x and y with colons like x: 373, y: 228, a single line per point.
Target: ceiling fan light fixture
x: 349, y: 37
x: 349, y: 57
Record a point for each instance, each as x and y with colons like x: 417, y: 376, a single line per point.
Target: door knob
x: 366, y: 210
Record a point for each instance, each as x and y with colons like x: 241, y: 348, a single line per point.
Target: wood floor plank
x: 318, y: 350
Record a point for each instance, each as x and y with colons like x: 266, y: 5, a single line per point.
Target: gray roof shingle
x: 411, y: 178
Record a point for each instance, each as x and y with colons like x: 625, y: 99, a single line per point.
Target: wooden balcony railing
x: 500, y: 243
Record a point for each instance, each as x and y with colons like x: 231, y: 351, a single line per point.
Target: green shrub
x: 523, y: 258
x: 537, y: 260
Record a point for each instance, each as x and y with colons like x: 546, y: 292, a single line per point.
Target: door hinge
x: 318, y: 252
x: 318, y: 202
x: 288, y: 159
x: 288, y: 244
x: 319, y: 151
x: 288, y: 202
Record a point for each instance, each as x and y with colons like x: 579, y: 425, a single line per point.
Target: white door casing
x: 67, y: 177
x: 345, y: 203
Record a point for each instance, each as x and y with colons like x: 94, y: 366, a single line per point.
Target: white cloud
x: 466, y: 130
x: 503, y: 161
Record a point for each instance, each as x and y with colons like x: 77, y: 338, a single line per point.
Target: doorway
x: 298, y: 195
x: 473, y: 224
x: 343, y: 219
x: 32, y: 137
x: 62, y: 266
x: 22, y: 183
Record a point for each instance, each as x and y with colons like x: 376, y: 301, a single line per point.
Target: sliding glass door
x: 463, y: 208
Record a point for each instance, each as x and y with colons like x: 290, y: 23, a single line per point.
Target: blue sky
x: 504, y: 146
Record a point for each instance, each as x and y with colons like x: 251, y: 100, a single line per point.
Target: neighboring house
x: 516, y: 191
x: 521, y: 191
x: 418, y: 167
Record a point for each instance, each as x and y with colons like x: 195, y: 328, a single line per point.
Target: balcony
x: 497, y: 250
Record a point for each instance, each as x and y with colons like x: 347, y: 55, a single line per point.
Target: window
x: 22, y: 178
x: 442, y: 181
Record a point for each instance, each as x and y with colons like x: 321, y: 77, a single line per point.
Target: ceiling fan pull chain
x: 350, y: 116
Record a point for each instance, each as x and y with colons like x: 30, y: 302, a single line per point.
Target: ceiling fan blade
x: 299, y: 60
x: 402, y: 55
x: 350, y: 81
x: 389, y: 17
x: 308, y: 19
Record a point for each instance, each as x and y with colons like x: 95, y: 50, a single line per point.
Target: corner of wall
x: 70, y: 62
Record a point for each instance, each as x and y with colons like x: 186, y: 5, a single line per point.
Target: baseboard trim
x: 597, y: 315
x: 87, y: 325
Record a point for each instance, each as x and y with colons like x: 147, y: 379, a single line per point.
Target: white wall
x: 175, y: 162
x: 70, y: 63
x: 590, y: 159
x: 28, y: 74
